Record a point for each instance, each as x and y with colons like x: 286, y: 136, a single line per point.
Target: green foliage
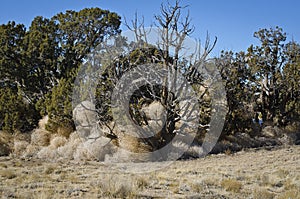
x: 42, y: 52
x: 235, y: 73
x: 291, y: 87
x: 43, y: 62
x: 262, y: 83
x: 12, y: 65
x: 266, y: 62
x: 59, y: 107
x: 15, y: 113
x: 80, y: 32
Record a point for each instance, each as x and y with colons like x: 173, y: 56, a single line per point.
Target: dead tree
x: 173, y: 31
x: 175, y: 77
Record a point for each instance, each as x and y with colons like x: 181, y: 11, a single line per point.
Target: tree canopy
x: 36, y: 63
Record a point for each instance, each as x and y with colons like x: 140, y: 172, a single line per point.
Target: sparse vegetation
x: 231, y: 185
x: 217, y: 176
x: 290, y: 194
x: 263, y: 193
x: 8, y: 174
x: 49, y: 170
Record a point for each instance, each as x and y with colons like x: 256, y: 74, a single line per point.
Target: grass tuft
x: 231, y: 185
x: 8, y: 174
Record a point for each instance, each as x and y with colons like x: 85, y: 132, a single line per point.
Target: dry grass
x: 253, y: 174
x: 65, y: 131
x: 231, y: 185
x: 47, y: 154
x: 197, y: 187
x: 292, y: 128
x: 142, y: 182
x: 118, y: 187
x: 20, y: 147
x: 263, y: 194
x: 228, y: 152
x: 40, y: 137
x: 94, y: 150
x: 6, y: 143
x: 57, y: 142
x: 8, y: 174
x: 43, y: 122
x: 67, y: 151
x: 290, y: 194
x: 3, y: 165
x: 6, y: 137
x: 49, y: 169
x: 59, y: 148
x: 132, y: 144
x: 210, y: 182
x: 31, y: 151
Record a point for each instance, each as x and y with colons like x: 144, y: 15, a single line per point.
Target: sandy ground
x: 256, y: 173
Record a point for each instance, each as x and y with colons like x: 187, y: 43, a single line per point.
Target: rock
x: 84, y: 115
x: 268, y: 141
x: 154, y: 111
x: 269, y: 131
x: 289, y: 138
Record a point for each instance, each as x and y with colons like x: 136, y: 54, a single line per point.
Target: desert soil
x: 256, y: 173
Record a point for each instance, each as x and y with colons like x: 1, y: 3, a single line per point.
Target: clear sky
x: 232, y: 21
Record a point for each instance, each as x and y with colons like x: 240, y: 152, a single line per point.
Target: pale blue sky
x: 232, y: 21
